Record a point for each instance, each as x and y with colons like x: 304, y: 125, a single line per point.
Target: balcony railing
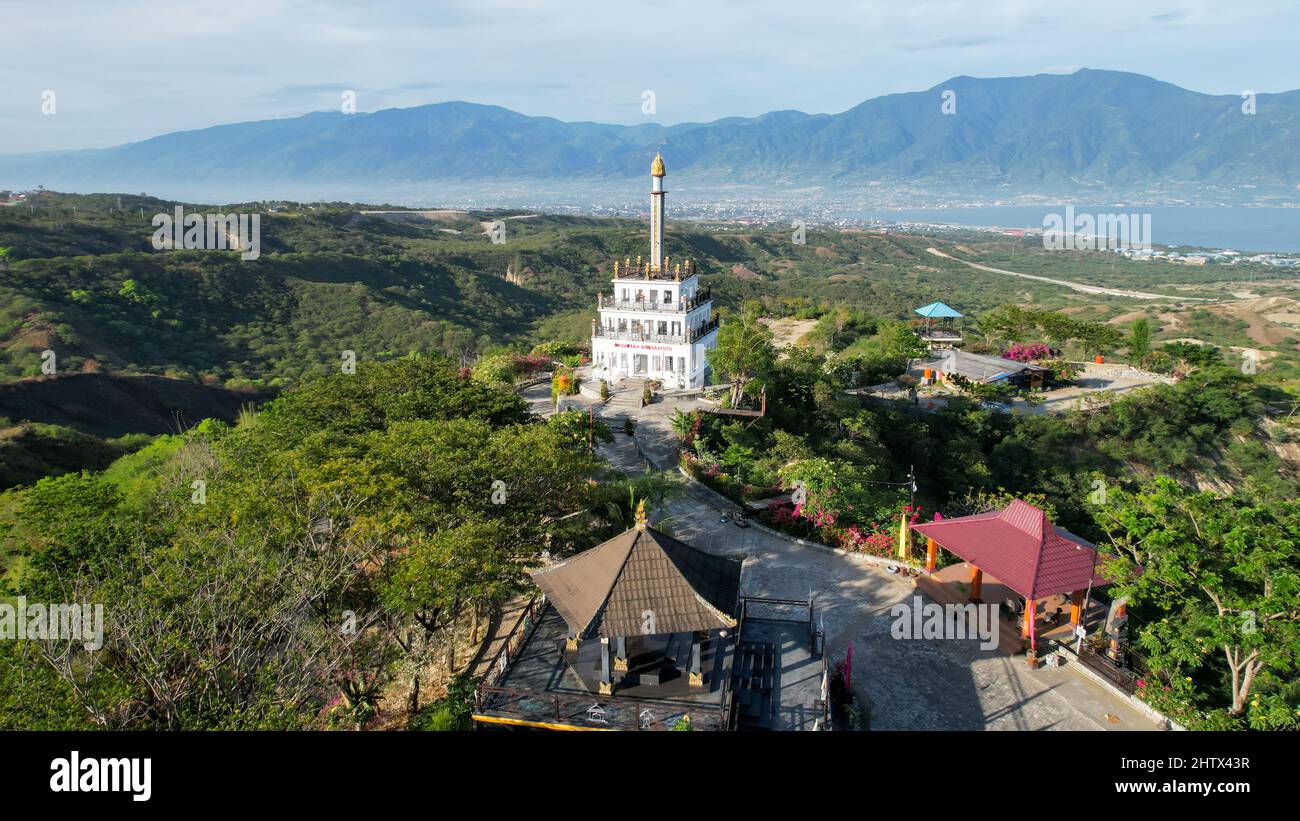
x: 638, y: 336
x: 676, y: 272
x: 641, y: 335
x: 680, y: 306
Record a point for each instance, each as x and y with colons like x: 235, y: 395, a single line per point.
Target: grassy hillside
x: 79, y: 277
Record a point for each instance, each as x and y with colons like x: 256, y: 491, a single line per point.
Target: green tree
x: 1007, y: 322
x: 899, y: 341
x: 745, y: 353
x: 1057, y: 327
x: 1098, y: 337
x: 1139, y: 338
x: 1225, y: 573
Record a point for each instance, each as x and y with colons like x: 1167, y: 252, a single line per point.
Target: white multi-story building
x: 658, y: 322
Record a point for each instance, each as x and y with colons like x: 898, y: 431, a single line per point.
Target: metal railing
x: 628, y: 269
x: 691, y: 335
x: 680, y: 306
x: 638, y: 336
x: 516, y: 638
x: 1124, y: 671
x: 803, y: 604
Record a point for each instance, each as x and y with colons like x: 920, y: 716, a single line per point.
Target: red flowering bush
x: 1020, y: 352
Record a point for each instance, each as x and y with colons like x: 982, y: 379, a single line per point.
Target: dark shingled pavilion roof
x: 606, y: 591
x: 1021, y: 549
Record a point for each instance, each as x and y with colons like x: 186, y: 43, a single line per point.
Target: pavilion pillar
x: 1031, y: 607
x: 606, y: 681
x: 931, y: 554
x: 620, y: 654
x: 976, y: 584
x: 1076, y: 608
x: 697, y: 677
x: 1027, y: 624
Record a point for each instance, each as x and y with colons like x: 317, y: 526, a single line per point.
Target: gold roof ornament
x: 677, y: 272
x: 615, y: 267
x: 657, y: 167
x: 640, y: 515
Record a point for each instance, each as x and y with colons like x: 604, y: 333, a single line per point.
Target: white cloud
x: 134, y: 68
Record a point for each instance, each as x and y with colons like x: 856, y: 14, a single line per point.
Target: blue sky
x: 130, y: 69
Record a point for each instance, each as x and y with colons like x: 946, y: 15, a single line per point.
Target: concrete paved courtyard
x: 930, y: 684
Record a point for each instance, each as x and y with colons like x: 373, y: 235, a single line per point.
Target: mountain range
x: 1102, y: 132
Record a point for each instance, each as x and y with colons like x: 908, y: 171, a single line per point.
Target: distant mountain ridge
x: 1090, y: 131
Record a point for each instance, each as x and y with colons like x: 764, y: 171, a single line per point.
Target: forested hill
x: 81, y: 279
x: 88, y: 286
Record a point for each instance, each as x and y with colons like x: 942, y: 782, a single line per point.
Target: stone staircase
x: 624, y: 401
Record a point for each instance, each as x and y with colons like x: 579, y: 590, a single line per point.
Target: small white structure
x: 657, y: 323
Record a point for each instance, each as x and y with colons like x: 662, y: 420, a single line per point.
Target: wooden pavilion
x: 1019, y: 549
x: 646, y: 614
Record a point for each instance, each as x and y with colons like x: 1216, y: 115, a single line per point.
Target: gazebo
x: 1020, y: 549
x: 647, y: 610
x: 945, y: 335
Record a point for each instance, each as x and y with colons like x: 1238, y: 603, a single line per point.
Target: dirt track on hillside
x: 1076, y: 286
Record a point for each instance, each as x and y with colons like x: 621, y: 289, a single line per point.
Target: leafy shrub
x: 452, y: 712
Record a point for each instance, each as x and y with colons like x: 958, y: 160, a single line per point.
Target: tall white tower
x: 657, y: 213
x: 657, y: 322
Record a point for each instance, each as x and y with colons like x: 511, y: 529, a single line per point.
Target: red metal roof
x: 1019, y: 547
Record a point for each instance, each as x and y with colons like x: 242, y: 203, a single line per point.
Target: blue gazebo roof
x: 937, y: 310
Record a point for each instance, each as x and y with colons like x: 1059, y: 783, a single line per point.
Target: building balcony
x: 676, y: 272
x: 643, y: 335
x: 681, y: 306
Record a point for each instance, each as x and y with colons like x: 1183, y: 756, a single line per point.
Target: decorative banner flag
x: 902, y: 537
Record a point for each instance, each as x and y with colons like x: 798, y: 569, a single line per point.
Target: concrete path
x: 907, y: 685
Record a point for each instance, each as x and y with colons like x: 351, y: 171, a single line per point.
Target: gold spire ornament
x: 640, y: 515
x: 657, y: 167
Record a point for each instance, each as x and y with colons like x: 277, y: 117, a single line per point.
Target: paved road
x: 908, y: 685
